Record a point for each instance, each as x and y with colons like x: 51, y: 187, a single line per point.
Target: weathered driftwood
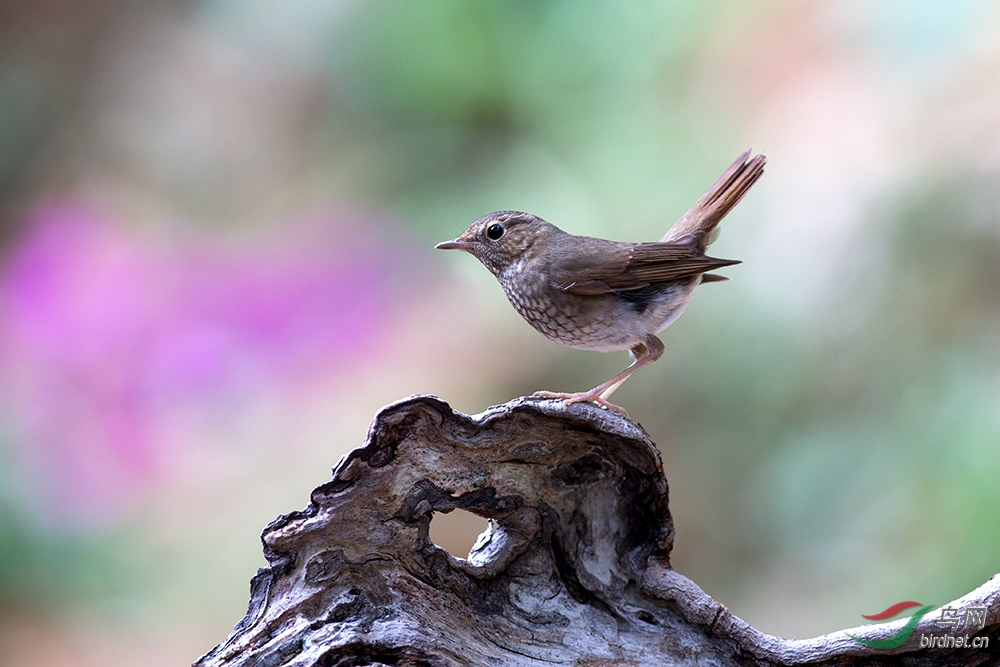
x: 574, y: 570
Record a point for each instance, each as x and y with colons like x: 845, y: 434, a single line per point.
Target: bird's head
x: 500, y: 239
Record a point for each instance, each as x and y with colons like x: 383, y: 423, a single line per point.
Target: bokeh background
x: 217, y: 222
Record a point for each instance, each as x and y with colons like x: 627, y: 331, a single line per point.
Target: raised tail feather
x: 700, y: 221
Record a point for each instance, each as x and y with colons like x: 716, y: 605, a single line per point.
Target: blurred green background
x: 217, y: 223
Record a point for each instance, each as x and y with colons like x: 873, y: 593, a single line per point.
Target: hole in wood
x: 457, y: 531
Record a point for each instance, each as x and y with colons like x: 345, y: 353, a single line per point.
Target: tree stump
x: 574, y: 569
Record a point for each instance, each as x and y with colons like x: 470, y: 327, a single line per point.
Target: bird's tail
x: 699, y: 223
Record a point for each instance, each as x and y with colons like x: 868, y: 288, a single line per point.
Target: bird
x: 594, y: 294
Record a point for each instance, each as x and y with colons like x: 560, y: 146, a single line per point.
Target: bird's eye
x: 494, y: 231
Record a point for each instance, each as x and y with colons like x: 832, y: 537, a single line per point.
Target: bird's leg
x: 644, y: 353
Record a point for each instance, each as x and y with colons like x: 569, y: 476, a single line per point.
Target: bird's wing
x: 623, y: 267
x: 665, y: 262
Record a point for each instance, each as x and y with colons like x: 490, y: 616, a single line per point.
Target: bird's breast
x: 604, y: 322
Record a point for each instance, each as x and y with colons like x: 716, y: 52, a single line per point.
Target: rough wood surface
x: 575, y: 569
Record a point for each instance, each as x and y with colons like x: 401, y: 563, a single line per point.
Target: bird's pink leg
x: 643, y: 353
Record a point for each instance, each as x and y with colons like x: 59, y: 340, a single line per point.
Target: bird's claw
x: 584, y: 397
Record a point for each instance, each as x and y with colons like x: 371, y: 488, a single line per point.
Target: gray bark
x: 574, y: 570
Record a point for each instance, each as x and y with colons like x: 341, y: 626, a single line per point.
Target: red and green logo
x: 904, y: 633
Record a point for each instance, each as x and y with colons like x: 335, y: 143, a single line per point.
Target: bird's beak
x: 454, y: 245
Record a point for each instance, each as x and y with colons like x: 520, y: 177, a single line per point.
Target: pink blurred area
x: 110, y: 333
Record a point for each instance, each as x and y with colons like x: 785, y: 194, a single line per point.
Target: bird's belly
x: 605, y: 322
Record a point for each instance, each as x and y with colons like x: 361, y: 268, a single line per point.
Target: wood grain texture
x: 574, y: 571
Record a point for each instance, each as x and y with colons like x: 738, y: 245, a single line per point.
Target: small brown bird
x: 593, y: 294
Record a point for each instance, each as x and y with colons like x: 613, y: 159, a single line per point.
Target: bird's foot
x: 592, y: 396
